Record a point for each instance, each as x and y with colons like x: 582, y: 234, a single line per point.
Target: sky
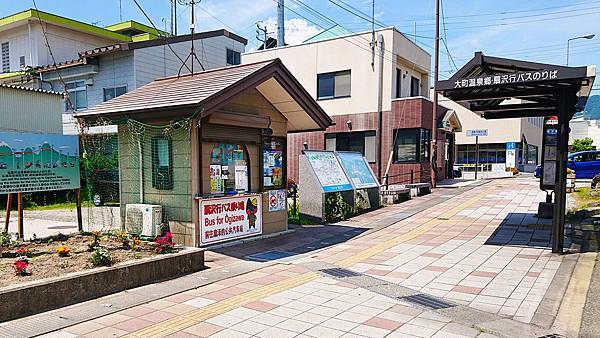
x: 535, y: 30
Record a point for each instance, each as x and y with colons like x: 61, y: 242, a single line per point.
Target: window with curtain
x: 162, y: 163
x: 333, y: 85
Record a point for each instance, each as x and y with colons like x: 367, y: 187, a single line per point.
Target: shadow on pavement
x: 304, y: 239
x: 522, y: 229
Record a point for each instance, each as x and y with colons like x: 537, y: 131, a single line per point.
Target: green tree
x: 583, y: 144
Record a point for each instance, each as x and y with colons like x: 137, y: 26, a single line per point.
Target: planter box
x: 47, y: 294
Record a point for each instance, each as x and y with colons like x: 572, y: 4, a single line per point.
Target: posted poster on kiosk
x: 227, y: 218
x: 38, y: 162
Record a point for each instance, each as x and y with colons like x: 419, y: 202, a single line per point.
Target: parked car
x: 105, y: 187
x: 585, y: 164
x: 538, y: 171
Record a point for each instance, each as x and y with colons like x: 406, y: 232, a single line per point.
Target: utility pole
x: 120, y: 10
x: 280, y: 24
x: 435, y: 95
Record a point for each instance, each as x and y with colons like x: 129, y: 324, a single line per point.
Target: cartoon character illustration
x: 251, y: 210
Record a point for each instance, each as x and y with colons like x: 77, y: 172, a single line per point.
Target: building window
x: 488, y: 153
x: 398, y: 83
x: 363, y: 142
x: 273, y: 169
x: 415, y: 86
x: 22, y: 61
x: 5, y: 58
x: 233, y: 57
x: 111, y: 93
x: 162, y: 163
x: 77, y: 94
x: 333, y: 85
x: 412, y: 145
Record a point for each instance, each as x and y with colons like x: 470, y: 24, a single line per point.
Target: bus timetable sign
x: 477, y: 132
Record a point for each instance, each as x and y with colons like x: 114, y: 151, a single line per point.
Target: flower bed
x: 60, y: 255
x: 45, y: 275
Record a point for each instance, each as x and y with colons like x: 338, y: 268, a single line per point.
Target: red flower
x: 169, y: 235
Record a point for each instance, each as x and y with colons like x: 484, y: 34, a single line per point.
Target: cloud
x: 296, y: 30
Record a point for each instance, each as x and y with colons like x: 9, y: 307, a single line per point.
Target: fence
x: 408, y: 177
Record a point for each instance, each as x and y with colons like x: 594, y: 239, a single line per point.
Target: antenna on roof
x: 121, y: 10
x: 192, y: 54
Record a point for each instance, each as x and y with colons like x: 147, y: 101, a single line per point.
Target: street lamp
x: 587, y: 37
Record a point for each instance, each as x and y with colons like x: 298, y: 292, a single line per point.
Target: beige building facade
x: 510, y: 143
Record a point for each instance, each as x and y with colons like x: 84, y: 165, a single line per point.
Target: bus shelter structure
x: 499, y: 88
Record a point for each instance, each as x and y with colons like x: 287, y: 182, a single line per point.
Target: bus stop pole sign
x: 477, y: 133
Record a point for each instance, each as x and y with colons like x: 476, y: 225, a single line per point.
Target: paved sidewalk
x: 472, y: 261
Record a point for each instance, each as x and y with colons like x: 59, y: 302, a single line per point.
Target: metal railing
x: 408, y: 177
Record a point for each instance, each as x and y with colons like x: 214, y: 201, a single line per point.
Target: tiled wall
x: 405, y: 113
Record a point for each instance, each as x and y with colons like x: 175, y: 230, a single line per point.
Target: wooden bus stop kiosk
x: 225, y: 179
x: 498, y: 88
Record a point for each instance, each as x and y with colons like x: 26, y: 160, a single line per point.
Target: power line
x: 60, y: 78
x: 160, y: 34
x: 444, y: 40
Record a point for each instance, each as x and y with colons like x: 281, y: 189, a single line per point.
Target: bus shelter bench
x: 419, y: 189
x: 395, y: 195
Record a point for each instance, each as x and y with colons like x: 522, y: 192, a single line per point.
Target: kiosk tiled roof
x: 210, y: 90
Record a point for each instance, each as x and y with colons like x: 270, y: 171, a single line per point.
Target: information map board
x: 38, y: 162
x: 358, y: 170
x: 328, y: 170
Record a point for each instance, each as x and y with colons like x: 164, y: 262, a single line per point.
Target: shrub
x: 63, y: 251
x: 124, y: 238
x: 21, y: 265
x: 164, y: 244
x: 101, y: 257
x: 6, y: 240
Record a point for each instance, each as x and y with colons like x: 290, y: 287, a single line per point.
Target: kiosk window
x: 273, y: 164
x: 162, y: 163
x: 228, y: 169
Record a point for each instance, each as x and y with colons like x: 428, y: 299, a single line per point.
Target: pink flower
x: 169, y: 235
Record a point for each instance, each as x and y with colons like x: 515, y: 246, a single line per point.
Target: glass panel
x: 120, y: 91
x: 406, y: 145
x: 80, y: 99
x: 273, y: 164
x: 325, y: 84
x: 162, y: 149
x: 109, y: 94
x: 228, y: 169
x: 342, y: 84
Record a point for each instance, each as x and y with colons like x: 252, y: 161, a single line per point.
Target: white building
x: 582, y: 128
x: 23, y: 40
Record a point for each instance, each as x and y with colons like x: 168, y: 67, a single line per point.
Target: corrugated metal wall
x: 31, y: 111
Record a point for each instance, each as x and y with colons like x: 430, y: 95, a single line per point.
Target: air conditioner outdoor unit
x: 144, y: 219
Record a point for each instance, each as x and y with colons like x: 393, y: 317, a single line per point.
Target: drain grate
x: 339, y: 272
x: 427, y: 301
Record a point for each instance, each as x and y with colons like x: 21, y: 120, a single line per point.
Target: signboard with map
x: 358, y: 170
x: 328, y: 170
x: 38, y: 162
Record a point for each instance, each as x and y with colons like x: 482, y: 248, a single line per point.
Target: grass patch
x: 295, y: 218
x: 584, y: 199
x: 57, y: 206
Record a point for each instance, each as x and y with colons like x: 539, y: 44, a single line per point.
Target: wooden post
x: 8, y: 209
x: 20, y: 233
x: 79, y: 214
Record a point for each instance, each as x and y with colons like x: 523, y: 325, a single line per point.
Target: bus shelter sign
x: 519, y: 77
x: 38, y: 162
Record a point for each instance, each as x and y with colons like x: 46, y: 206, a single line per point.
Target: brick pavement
x: 481, y: 248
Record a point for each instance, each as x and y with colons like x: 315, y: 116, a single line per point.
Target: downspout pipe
x: 381, y: 46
